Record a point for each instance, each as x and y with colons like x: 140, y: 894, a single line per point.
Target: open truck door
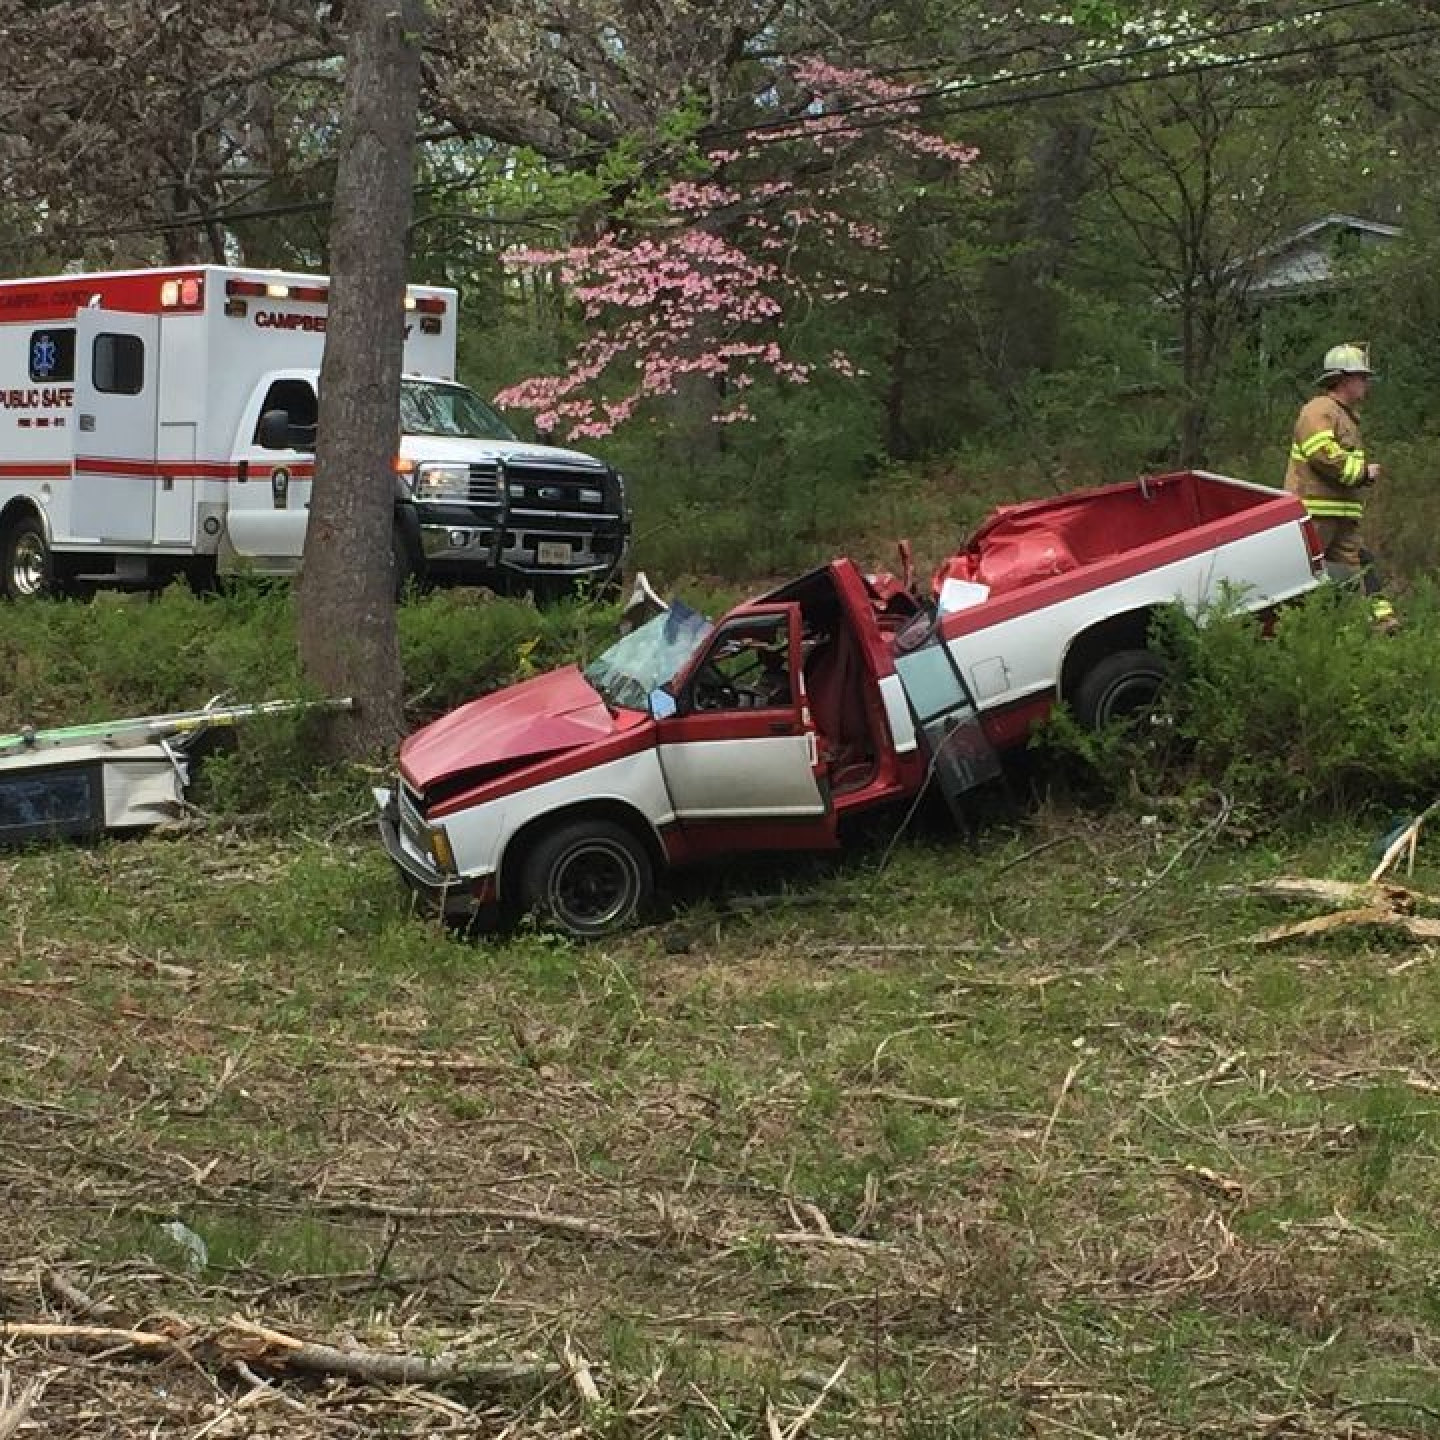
x: 117, y: 374
x: 739, y: 753
x: 951, y: 735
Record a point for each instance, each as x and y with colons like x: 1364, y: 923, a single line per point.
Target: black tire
x: 27, y: 569
x: 202, y: 576
x: 587, y: 879
x: 408, y: 565
x: 400, y: 563
x: 1120, y: 688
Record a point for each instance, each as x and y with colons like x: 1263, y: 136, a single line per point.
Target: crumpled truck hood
x: 525, y: 722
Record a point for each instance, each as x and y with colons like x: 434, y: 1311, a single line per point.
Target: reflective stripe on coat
x: 1327, y: 460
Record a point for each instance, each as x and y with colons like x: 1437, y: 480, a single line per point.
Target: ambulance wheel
x: 1121, y: 688
x: 587, y: 879
x: 409, y: 565
x: 26, y: 568
x: 202, y: 576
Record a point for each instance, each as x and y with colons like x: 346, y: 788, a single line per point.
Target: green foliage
x: 1392, y: 1120
x: 115, y: 656
x: 457, y: 644
x: 1326, y: 713
x: 1322, y: 714
x: 119, y: 657
x: 73, y: 662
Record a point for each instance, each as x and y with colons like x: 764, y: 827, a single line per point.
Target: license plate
x: 553, y: 552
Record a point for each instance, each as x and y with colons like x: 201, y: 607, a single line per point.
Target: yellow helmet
x: 1351, y: 358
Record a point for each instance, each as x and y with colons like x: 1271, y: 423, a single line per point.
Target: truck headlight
x: 442, y: 482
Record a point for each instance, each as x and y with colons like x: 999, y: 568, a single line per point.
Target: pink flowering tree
x: 706, y: 279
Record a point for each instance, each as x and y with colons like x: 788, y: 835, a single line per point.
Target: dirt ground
x: 902, y: 1154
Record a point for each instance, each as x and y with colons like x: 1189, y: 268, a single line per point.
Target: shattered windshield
x: 648, y: 657
x: 430, y: 409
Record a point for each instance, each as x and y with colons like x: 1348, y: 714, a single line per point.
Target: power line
x: 1115, y: 82
x: 949, y: 88
x: 1405, y: 37
x: 1402, y: 38
x: 933, y: 66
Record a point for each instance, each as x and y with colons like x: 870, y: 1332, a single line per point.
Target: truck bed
x: 1019, y: 545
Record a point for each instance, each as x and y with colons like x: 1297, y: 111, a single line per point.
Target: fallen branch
x: 809, y: 1412
x: 1405, y: 842
x: 241, y: 1341
x: 1065, y: 1085
x: 530, y: 1219
x: 90, y: 1337
x: 581, y: 1376
x: 1388, y: 907
x: 66, y: 1293
x: 1338, y: 892
x: 14, y: 1412
x: 270, y: 1349
x: 945, y: 1104
x: 814, y: 1237
x: 1366, y: 915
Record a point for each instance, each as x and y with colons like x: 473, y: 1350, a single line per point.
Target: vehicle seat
x: 834, y: 684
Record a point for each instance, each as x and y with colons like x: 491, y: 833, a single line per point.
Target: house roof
x: 1304, y: 260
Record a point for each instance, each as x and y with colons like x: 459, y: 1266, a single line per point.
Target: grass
x: 1033, y: 1142
x: 1028, y: 1134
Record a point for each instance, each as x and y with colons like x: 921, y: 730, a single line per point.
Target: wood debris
x: 265, y: 1350
x: 1373, y: 904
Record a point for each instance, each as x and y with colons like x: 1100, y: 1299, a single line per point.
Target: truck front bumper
x: 461, y: 543
x: 457, y: 899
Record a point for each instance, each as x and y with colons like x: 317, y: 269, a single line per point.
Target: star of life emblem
x: 43, y: 354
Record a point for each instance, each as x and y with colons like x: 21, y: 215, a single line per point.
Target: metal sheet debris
x: 111, y: 775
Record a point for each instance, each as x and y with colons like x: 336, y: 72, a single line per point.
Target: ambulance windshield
x: 427, y: 408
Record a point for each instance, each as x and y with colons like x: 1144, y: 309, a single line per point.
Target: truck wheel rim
x: 593, y: 885
x: 1128, y: 699
x: 27, y: 565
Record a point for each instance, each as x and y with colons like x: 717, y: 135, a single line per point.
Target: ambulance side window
x: 118, y: 364
x: 52, y: 356
x: 297, y: 399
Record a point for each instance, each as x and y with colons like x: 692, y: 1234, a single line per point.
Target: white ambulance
x: 160, y: 423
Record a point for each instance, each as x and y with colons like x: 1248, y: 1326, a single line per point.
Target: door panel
x: 737, y: 775
x: 949, y: 725
x: 742, y: 747
x: 116, y: 411
x: 268, y: 514
x: 175, y: 492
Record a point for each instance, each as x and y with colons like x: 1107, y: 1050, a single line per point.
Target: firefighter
x: 1330, y: 471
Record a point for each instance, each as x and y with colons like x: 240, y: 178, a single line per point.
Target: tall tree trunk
x: 901, y: 288
x: 346, y: 593
x: 1041, y: 233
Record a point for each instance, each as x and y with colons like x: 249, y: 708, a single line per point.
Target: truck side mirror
x: 275, y: 431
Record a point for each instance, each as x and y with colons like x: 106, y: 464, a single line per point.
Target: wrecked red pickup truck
x: 564, y: 796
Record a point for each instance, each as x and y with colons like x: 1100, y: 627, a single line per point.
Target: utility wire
x: 936, y: 65
x: 1402, y: 38
x: 1116, y: 82
x: 945, y: 89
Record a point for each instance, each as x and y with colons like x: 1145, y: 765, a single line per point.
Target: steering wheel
x: 712, y: 691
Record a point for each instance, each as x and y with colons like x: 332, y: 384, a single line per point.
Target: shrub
x: 1316, y: 714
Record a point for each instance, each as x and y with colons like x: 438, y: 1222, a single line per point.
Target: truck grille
x: 484, y: 485
x: 541, y: 487
x: 412, y: 827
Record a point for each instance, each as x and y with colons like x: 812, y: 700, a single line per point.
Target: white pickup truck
x: 566, y: 795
